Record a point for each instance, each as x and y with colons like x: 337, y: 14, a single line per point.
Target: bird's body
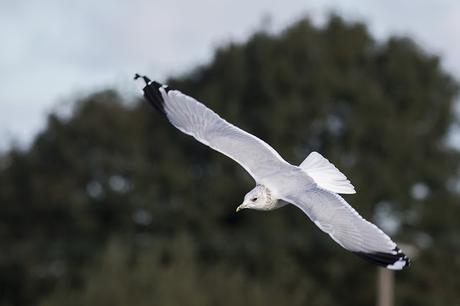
x: 280, y: 184
x: 313, y: 186
x: 287, y: 179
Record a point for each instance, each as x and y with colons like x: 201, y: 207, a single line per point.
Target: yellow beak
x: 240, y: 207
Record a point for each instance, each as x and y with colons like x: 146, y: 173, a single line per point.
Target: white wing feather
x: 195, y: 119
x: 333, y: 215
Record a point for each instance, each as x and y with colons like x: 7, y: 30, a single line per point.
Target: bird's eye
x: 254, y: 199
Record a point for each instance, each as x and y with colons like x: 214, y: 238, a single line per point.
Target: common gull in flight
x: 313, y: 186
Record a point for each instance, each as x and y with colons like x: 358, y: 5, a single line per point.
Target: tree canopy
x: 113, y: 206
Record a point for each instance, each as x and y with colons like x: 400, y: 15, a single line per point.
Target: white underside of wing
x: 336, y: 217
x: 195, y: 119
x: 333, y: 215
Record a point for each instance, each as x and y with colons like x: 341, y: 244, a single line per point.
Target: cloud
x: 55, y: 49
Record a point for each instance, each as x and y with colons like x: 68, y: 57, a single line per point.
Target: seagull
x: 313, y: 186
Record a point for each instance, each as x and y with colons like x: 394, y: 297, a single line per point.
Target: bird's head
x: 257, y: 198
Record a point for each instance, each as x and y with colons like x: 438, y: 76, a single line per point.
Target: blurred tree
x: 379, y: 111
x: 169, y: 273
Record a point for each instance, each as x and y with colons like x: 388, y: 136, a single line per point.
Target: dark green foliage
x: 169, y: 273
x: 94, y: 212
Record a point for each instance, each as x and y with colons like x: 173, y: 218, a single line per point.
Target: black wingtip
x: 152, y: 93
x: 396, y: 260
x: 146, y: 79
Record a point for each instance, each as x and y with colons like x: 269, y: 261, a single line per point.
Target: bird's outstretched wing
x: 195, y: 119
x: 333, y: 215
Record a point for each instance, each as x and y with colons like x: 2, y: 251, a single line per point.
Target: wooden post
x: 385, y: 287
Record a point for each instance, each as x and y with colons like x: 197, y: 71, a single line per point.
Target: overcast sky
x: 53, y: 50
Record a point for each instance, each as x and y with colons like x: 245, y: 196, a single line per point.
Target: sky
x: 52, y: 51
